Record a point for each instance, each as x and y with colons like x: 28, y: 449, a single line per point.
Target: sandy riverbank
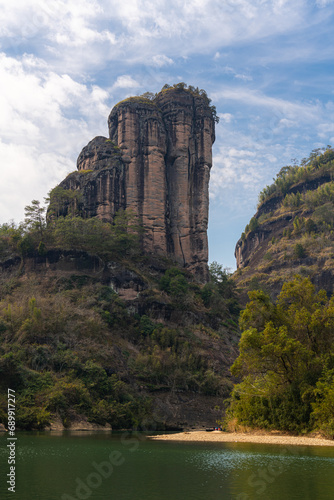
x: 233, y: 437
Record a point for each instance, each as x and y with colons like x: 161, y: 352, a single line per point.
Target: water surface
x: 101, y: 466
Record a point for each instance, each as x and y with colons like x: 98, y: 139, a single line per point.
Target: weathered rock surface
x: 156, y: 162
x: 98, y: 154
x: 266, y: 256
x: 257, y: 240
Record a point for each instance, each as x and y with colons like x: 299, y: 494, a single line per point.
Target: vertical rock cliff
x: 156, y: 162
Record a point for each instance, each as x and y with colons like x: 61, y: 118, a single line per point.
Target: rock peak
x: 156, y: 162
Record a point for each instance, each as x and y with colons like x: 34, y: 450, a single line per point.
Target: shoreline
x: 243, y: 437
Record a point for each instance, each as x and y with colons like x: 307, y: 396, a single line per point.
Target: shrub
x: 310, y: 226
x: 299, y: 251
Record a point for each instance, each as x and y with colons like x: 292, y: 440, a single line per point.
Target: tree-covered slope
x: 93, y: 331
x: 292, y: 231
x: 285, y: 263
x: 286, y: 362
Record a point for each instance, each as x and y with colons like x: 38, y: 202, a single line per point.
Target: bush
x: 299, y: 251
x: 323, y: 407
x: 310, y: 226
x: 319, y: 159
x: 32, y: 418
x: 253, y: 224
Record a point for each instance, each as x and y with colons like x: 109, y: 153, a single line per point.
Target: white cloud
x: 125, y: 82
x: 80, y: 36
x: 45, y: 121
x: 230, y: 71
x: 27, y: 174
x: 160, y: 60
x: 219, y: 24
x: 325, y: 129
x: 279, y: 106
x: 284, y: 122
x: 226, y: 117
x: 237, y: 162
x: 93, y: 32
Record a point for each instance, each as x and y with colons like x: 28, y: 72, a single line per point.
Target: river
x: 120, y: 466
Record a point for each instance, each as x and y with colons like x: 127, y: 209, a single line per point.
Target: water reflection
x: 51, y: 467
x: 271, y: 472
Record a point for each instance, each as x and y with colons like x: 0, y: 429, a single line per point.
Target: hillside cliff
x: 292, y: 230
x: 92, y: 339
x: 156, y: 162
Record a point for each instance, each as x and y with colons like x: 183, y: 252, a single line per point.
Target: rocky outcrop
x: 256, y: 241
x: 157, y: 163
x: 287, y: 238
x: 99, y: 153
x: 273, y: 225
x: 137, y: 127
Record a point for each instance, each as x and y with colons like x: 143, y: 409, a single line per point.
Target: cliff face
x: 156, y: 162
x: 99, y: 184
x: 107, y: 333
x: 292, y: 232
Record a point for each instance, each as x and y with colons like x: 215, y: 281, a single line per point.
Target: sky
x: 267, y: 65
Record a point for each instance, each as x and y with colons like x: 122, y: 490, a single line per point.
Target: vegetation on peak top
x: 315, y: 166
x: 141, y: 99
x: 149, y: 97
x: 195, y: 91
x: 319, y: 162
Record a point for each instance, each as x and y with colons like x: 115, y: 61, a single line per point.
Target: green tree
x: 10, y: 237
x: 310, y: 226
x: 148, y: 95
x: 323, y: 407
x: 299, y: 251
x: 93, y: 235
x: 34, y: 220
x: 63, y: 201
x: 220, y: 293
x: 282, y: 350
x: 174, y: 283
x: 126, y: 231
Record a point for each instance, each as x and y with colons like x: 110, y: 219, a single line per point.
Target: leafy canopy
x: 286, y: 349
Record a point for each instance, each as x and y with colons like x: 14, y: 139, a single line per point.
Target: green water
x: 122, y: 467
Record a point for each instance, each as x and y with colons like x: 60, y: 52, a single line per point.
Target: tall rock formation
x: 156, y: 162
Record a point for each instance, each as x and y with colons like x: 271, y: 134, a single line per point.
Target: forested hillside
x: 292, y: 231
x: 286, y: 362
x: 285, y: 271
x: 92, y: 331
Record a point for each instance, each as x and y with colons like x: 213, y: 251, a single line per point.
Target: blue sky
x: 266, y: 64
